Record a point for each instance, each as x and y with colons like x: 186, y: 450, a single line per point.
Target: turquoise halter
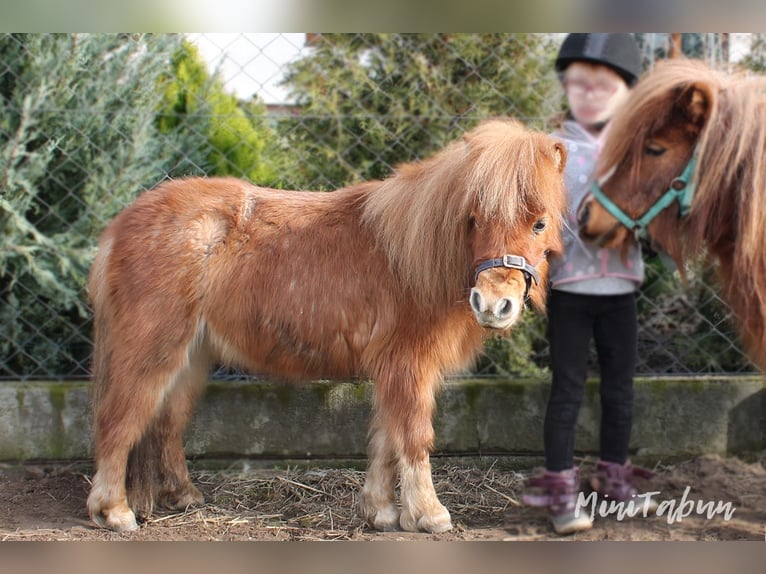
x: 681, y: 190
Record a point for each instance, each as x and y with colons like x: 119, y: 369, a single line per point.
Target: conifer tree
x: 370, y: 101
x: 211, y: 132
x: 77, y: 143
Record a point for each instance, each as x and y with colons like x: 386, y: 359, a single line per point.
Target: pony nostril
x: 477, y: 301
x: 504, y: 307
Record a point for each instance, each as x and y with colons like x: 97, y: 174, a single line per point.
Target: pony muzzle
x: 494, y: 312
x: 493, y: 306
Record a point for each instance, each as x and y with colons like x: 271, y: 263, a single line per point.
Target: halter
x: 681, y: 190
x: 511, y: 262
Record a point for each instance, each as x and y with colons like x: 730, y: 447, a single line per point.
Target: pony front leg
x: 421, y: 509
x: 377, y: 501
x: 405, y: 407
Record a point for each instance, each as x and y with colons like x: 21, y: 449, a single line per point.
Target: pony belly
x: 280, y: 355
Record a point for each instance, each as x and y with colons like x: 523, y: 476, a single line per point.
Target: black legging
x: 573, y: 320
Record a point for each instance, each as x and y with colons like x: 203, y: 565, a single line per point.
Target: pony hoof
x: 115, y: 520
x: 385, y: 520
x: 434, y: 523
x: 435, y: 526
x: 185, y: 497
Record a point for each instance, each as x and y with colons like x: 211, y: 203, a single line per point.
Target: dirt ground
x: 47, y: 502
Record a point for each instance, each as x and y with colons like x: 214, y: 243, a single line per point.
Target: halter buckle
x: 514, y: 262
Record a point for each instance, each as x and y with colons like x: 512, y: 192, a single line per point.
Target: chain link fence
x: 89, y: 121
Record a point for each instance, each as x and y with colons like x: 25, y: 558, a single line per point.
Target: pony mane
x: 728, y: 212
x: 489, y: 174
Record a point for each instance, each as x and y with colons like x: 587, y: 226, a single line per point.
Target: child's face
x: 594, y: 92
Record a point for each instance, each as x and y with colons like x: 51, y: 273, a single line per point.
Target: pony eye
x: 655, y: 150
x: 540, y: 225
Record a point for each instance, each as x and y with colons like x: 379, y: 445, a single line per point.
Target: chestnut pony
x: 396, y: 280
x: 684, y: 163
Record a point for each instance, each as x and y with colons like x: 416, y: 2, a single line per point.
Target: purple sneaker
x: 616, y: 482
x: 558, y: 491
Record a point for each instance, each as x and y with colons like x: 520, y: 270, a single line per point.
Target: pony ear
x: 559, y: 156
x: 695, y: 104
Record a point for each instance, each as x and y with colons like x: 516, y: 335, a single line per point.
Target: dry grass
x: 321, y: 504
x: 42, y: 503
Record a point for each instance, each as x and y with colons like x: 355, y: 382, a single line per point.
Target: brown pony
x: 695, y: 140
x: 394, y: 280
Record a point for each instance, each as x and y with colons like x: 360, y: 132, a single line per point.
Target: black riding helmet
x: 618, y: 51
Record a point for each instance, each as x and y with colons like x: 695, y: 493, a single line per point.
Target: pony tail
x: 98, y: 293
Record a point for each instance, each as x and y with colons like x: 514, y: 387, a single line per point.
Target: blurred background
x: 89, y: 121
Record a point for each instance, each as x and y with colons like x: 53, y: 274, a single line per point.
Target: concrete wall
x: 273, y: 420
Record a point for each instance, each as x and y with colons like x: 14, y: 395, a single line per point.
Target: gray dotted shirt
x: 585, y: 268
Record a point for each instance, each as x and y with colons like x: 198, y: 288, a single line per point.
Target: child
x: 593, y: 293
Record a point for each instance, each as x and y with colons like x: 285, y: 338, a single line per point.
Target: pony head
x: 495, y: 195
x: 515, y: 218
x: 646, y: 173
x: 682, y: 111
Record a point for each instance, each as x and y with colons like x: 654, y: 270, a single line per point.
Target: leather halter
x: 511, y: 262
x: 681, y: 189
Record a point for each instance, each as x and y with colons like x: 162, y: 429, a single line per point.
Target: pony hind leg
x: 121, y: 423
x: 126, y: 408
x: 177, y: 490
x: 157, y: 471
